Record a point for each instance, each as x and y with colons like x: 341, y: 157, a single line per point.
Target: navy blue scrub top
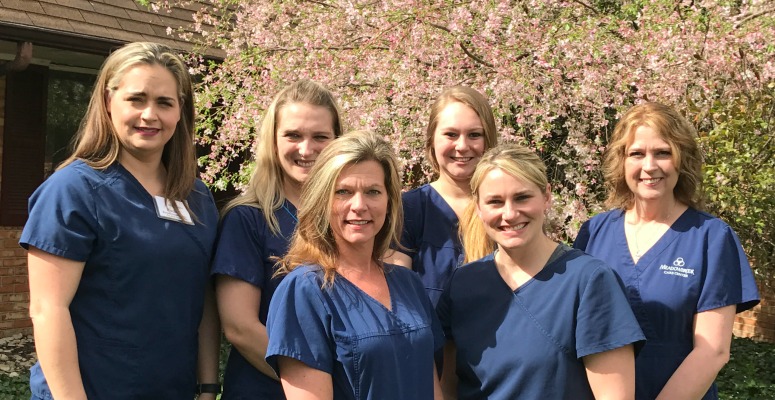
x: 138, y: 306
x: 244, y: 251
x: 697, y: 265
x: 529, y: 343
x: 370, y: 352
x: 431, y: 237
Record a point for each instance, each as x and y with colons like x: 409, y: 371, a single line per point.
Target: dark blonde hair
x: 97, y: 142
x: 314, y: 242
x: 674, y: 129
x: 265, y: 188
x: 469, y: 97
x: 513, y: 159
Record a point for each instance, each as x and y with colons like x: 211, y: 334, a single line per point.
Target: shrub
x: 738, y: 139
x: 749, y: 373
x: 14, y: 388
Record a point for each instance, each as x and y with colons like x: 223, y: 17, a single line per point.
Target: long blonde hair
x: 313, y: 241
x: 470, y: 97
x: 265, y: 188
x: 513, y: 159
x: 97, y: 142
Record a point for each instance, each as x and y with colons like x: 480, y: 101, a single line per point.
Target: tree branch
x: 473, y: 56
x: 764, y: 10
x: 321, y: 3
x: 587, y: 6
x: 463, y: 46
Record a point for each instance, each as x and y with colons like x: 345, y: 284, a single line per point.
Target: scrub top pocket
x: 111, y: 364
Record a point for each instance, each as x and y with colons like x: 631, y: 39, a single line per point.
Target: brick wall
x: 759, y: 322
x: 14, y: 290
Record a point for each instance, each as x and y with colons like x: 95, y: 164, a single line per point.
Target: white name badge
x: 164, y: 210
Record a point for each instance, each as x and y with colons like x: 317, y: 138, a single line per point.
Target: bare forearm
x: 58, y: 353
x: 712, y: 342
x: 695, y: 375
x: 252, y: 341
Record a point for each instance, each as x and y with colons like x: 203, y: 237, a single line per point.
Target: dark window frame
x: 24, y: 141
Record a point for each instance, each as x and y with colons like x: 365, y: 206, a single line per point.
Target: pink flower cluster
x: 556, y: 72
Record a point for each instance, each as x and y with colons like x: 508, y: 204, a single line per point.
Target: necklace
x: 637, y: 248
x: 637, y: 229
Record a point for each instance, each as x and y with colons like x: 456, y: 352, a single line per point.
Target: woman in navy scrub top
x: 685, y: 272
x: 257, y: 227
x: 535, y: 319
x: 461, y: 128
x: 120, y: 239
x: 343, y: 324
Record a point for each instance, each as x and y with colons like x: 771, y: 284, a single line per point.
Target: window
x: 68, y: 98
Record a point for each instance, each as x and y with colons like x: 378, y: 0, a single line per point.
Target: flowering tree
x: 556, y: 72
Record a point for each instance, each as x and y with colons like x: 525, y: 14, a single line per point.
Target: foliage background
x: 558, y: 74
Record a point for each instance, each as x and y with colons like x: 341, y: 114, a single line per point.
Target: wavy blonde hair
x: 265, y: 188
x: 313, y: 241
x: 674, y: 129
x: 469, y: 97
x: 513, y: 159
x: 97, y: 142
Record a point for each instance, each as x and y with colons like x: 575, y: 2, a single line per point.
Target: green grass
x: 750, y: 375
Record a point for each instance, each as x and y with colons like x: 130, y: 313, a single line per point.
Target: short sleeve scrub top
x: 138, y: 306
x: 529, y: 343
x: 697, y: 265
x: 370, y: 351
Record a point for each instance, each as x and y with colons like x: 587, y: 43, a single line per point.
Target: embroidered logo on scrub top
x: 164, y: 210
x: 678, y: 268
